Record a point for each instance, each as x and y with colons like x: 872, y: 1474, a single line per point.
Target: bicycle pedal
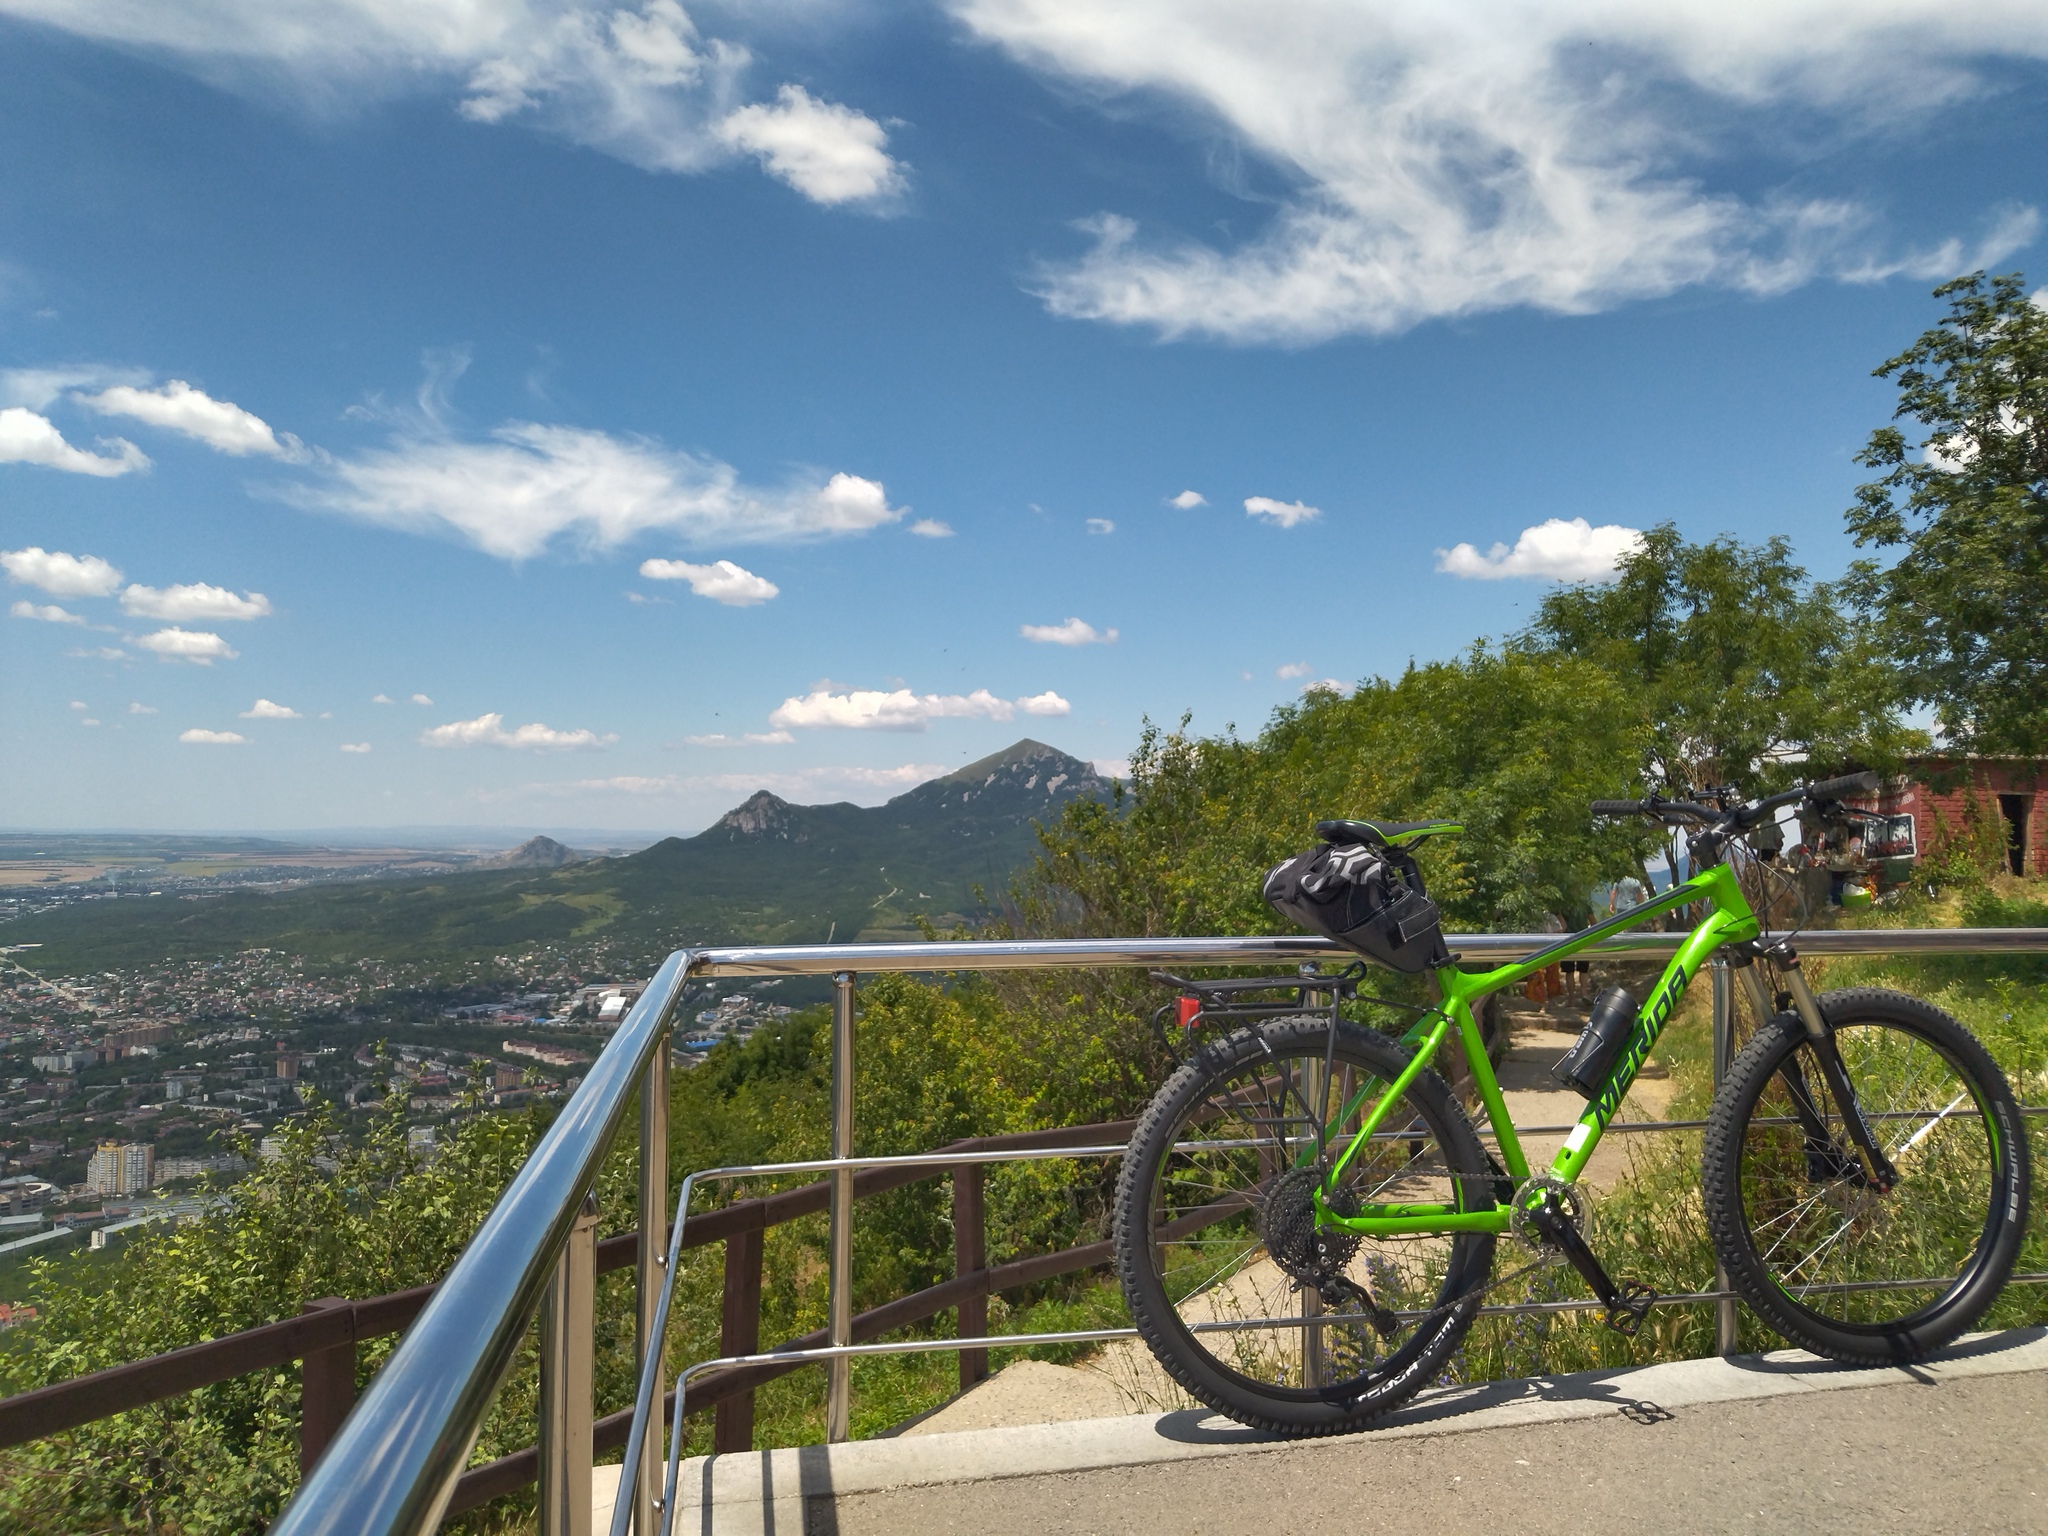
x: 1632, y: 1303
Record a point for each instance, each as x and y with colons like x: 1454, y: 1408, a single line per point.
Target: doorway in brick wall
x: 2015, y: 809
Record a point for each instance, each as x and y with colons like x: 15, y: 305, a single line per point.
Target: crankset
x: 1548, y: 1213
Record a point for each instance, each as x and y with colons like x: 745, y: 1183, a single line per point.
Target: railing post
x: 839, y: 1378
x: 567, y: 1317
x: 327, y: 1389
x: 650, y: 1262
x: 1725, y: 1318
x: 970, y: 1256
x: 739, y: 1333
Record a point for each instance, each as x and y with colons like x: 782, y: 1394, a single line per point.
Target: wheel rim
x: 1852, y: 1257
x: 1228, y: 1296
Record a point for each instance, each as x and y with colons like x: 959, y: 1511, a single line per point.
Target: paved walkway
x: 1778, y: 1442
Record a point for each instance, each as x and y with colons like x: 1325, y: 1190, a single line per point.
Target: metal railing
x: 396, y: 1462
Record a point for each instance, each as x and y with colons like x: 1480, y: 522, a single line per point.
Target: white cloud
x: 198, y: 646
x: 80, y: 706
x: 1327, y: 685
x: 803, y: 784
x: 26, y: 438
x: 88, y: 720
x: 382, y: 698
x: 1073, y: 632
x: 750, y: 739
x: 202, y: 738
x: 355, y: 746
x: 1556, y: 550
x: 931, y: 528
x: 1113, y: 767
x: 831, y: 154
x: 489, y: 731
x: 100, y: 653
x: 196, y: 600
x: 1465, y: 156
x: 1101, y: 525
x: 1284, y: 513
x: 636, y: 81
x: 265, y: 709
x: 59, y: 574
x: 37, y: 388
x: 1187, y: 501
x: 1292, y: 670
x: 901, y: 710
x: 178, y: 407
x: 721, y: 581
x: 421, y: 698
x: 49, y: 613
x: 141, y: 709
x: 531, y: 484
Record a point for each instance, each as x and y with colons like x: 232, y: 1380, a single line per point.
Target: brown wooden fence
x: 324, y: 1336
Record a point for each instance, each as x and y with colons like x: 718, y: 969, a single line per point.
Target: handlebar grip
x: 1620, y: 808
x: 1847, y: 784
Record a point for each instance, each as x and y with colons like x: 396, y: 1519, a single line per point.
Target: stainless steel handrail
x: 394, y: 1465
x: 1045, y: 954
x: 395, y: 1462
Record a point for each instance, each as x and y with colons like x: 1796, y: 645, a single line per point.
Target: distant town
x: 131, y: 1098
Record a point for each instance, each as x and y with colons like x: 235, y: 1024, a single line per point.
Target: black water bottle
x: 1584, y: 1067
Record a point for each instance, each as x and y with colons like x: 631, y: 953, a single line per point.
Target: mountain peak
x: 534, y: 853
x: 1027, y: 777
x: 762, y: 815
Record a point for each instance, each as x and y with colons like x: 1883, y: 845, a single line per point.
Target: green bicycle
x: 1306, y: 1219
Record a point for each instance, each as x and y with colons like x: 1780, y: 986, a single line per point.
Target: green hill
x: 766, y: 872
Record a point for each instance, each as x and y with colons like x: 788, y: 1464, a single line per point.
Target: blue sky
x: 685, y: 401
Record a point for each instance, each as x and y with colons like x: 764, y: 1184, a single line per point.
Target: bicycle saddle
x: 1385, y: 834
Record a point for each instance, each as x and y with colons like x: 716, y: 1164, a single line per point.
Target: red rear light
x: 1189, y: 1008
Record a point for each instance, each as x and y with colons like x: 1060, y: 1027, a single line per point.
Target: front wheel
x: 1247, y: 1297
x: 1820, y: 1249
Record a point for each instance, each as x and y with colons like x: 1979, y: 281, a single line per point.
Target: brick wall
x: 2024, y: 779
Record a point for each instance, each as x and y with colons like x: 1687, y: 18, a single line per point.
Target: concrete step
x: 1076, y: 1476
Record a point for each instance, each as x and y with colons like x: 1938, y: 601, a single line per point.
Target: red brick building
x: 1938, y: 792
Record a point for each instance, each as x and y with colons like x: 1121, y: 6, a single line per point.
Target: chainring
x: 1532, y: 1193
x: 1287, y: 1222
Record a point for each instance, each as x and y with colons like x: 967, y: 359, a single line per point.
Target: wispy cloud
x: 489, y: 731
x: 26, y: 438
x: 1292, y: 670
x: 178, y: 407
x: 266, y: 709
x: 200, y: 647
x: 529, y: 485
x: 357, y: 747
x: 198, y: 737
x: 1285, y: 514
x: 59, y: 574
x: 800, y: 785
x: 1461, y: 157
x: 1072, y: 632
x: 1101, y: 525
x: 721, y: 581
x: 749, y: 739
x: 901, y: 710
x: 48, y: 613
x: 636, y: 81
x: 141, y: 709
x: 1555, y: 550
x: 196, y: 600
x: 931, y: 528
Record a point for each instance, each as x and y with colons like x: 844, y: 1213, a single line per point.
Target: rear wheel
x: 1245, y: 1299
x: 1825, y: 1255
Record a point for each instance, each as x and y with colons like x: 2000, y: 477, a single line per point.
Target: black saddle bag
x: 1368, y: 899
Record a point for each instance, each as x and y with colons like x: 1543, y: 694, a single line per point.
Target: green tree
x: 1964, y: 609
x: 1739, y: 669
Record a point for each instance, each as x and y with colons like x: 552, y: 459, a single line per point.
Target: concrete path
x: 1779, y: 1442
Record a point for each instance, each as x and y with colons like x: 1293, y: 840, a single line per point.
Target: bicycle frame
x: 1729, y: 921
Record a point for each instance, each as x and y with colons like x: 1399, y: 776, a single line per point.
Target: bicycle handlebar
x: 1742, y: 816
